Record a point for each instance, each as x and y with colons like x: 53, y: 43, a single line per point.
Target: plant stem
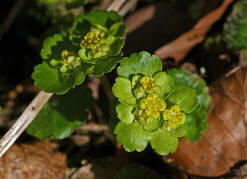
x: 23, y: 121
x: 107, y: 88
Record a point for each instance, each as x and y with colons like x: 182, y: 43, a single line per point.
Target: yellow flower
x: 91, y: 41
x: 152, y: 105
x: 148, y: 84
x: 174, y: 117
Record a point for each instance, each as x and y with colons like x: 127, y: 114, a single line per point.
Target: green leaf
x: 101, y: 17
x: 125, y: 113
x: 179, y: 131
x: 51, y: 80
x: 163, y: 142
x: 164, y: 82
x: 122, y: 90
x: 113, y: 121
x: 141, y: 63
x: 152, y: 124
x: 62, y: 114
x: 132, y: 137
x: 196, y: 123
x: 183, y: 77
x: 105, y: 66
x: 46, y: 51
x: 185, y: 98
x: 118, y: 29
x: 116, y: 47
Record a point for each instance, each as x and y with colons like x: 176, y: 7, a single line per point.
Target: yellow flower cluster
x: 152, y: 105
x: 91, y: 41
x: 148, y: 84
x: 174, y: 117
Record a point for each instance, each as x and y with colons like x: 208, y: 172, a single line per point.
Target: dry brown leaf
x: 138, y: 18
x: 224, y: 143
x: 32, y: 161
x: 180, y: 47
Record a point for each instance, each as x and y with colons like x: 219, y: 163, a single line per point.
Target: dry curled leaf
x: 181, y: 46
x: 32, y: 161
x: 225, y: 142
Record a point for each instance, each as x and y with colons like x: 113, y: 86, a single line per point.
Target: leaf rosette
x: 152, y: 107
x: 99, y: 37
x: 93, y: 47
x: 62, y: 68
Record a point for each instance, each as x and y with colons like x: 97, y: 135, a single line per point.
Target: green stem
x: 107, y: 88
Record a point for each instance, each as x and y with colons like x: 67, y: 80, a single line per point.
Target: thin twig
x: 129, y: 5
x: 11, y: 17
x: 116, y: 5
x: 23, y: 121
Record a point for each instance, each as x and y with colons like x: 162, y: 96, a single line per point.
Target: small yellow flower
x: 174, y: 117
x: 152, y: 105
x: 91, y: 41
x: 148, y: 84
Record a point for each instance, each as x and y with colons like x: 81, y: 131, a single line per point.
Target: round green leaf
x: 103, y: 17
x: 46, y: 51
x: 183, y: 77
x: 125, y: 113
x: 164, y: 83
x: 132, y: 136
x: 118, y: 29
x: 116, y: 47
x: 196, y: 123
x: 163, y: 142
x: 105, y: 66
x: 185, y: 98
x: 52, y: 81
x: 62, y: 114
x: 122, y: 90
x: 153, y: 124
x: 180, y: 131
x: 140, y: 63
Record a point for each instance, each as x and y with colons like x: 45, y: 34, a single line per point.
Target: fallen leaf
x: 225, y: 142
x: 32, y: 161
x: 138, y: 18
x: 181, y: 46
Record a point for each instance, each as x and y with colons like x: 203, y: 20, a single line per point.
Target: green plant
x: 152, y: 106
x: 157, y: 107
x: 93, y: 47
